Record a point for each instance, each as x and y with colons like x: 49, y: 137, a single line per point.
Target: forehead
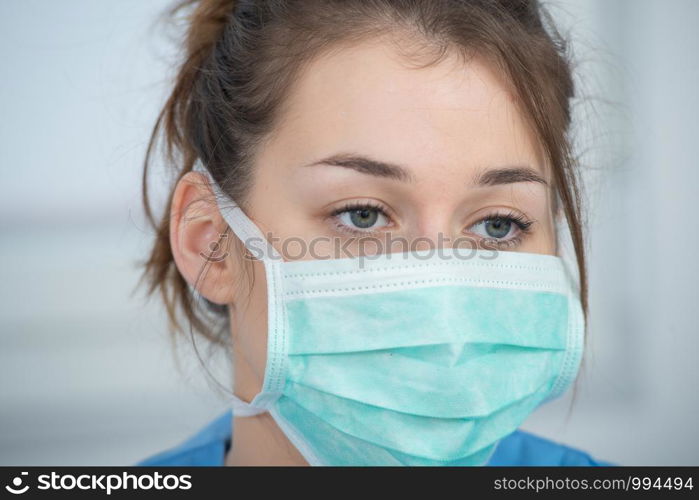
x: 366, y: 98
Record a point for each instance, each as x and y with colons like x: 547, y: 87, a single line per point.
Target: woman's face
x: 367, y: 146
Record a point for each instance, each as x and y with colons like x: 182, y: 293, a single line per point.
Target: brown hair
x: 241, y: 57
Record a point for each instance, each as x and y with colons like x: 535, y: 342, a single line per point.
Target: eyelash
x: 349, y: 207
x: 522, y: 223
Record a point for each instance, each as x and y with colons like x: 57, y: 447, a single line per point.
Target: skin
x: 447, y: 126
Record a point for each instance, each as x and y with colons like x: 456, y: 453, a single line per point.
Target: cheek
x: 258, y: 322
x: 543, y: 241
x: 250, y: 341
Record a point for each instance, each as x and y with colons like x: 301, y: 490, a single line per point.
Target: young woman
x: 369, y: 202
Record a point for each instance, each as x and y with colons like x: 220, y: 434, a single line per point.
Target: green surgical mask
x: 421, y: 358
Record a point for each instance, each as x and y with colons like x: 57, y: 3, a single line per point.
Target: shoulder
x: 207, y: 446
x: 524, y: 448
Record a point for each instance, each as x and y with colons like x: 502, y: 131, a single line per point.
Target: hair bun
x: 207, y: 21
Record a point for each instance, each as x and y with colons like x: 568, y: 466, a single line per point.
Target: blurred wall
x: 637, y: 402
x: 87, y: 374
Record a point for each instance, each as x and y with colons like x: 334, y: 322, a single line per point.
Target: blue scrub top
x: 210, y: 444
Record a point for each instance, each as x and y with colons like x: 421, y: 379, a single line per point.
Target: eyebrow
x: 508, y: 175
x: 370, y: 166
x: 367, y: 165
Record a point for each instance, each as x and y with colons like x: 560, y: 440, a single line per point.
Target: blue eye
x: 495, y: 228
x: 361, y: 218
x: 501, y: 228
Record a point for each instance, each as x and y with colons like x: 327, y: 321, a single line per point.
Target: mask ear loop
x: 247, y: 232
x: 240, y: 224
x: 244, y: 409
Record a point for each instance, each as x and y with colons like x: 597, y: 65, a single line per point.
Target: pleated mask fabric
x: 420, y: 358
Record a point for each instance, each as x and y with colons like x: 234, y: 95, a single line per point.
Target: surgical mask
x: 419, y: 358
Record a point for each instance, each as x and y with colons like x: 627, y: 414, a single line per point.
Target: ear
x: 200, y: 240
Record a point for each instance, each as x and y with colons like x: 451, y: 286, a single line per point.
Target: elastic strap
x: 244, y: 409
x: 253, y: 239
x: 243, y: 227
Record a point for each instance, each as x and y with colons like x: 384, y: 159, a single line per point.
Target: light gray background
x: 87, y: 374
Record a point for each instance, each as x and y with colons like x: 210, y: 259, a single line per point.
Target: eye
x: 497, y: 228
x: 501, y: 228
x: 361, y: 218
